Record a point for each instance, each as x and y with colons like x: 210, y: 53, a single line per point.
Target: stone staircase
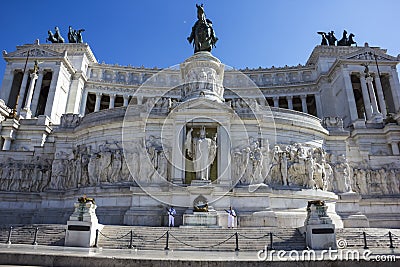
x: 213, y: 239
x: 47, y: 234
x: 216, y: 239
x: 375, y: 237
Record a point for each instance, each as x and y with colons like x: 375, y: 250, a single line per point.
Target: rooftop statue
x: 58, y: 36
x: 75, y: 36
x: 324, y: 40
x: 71, y: 35
x: 202, y: 35
x: 330, y: 39
x: 346, y: 41
x: 51, y: 37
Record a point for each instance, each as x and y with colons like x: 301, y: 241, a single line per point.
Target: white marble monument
x: 264, y: 141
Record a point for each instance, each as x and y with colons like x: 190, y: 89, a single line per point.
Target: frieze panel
x: 369, y: 54
x: 33, y: 52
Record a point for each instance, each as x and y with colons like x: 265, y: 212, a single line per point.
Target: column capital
x: 289, y: 97
x: 369, y: 79
x: 34, y: 76
x: 303, y: 96
x: 99, y: 94
x: 77, y: 75
x: 113, y: 95
x: 275, y: 97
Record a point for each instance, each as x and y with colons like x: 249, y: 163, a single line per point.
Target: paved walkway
x: 69, y: 256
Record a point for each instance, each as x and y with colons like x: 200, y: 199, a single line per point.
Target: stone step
x: 113, y: 236
x: 201, y: 238
x: 47, y: 234
x: 376, y: 237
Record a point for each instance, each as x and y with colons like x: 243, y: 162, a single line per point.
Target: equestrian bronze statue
x: 202, y: 36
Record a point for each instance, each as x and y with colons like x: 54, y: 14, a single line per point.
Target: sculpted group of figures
x: 25, y: 176
x: 308, y: 167
x: 330, y: 39
x: 295, y: 165
x: 89, y: 167
x: 201, y: 79
x: 74, y: 36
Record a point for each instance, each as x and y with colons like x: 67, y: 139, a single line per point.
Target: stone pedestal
x: 205, y: 219
x: 318, y: 227
x: 82, y: 226
x: 321, y: 236
x: 348, y: 209
x: 203, y: 76
x: 201, y: 219
x: 200, y: 182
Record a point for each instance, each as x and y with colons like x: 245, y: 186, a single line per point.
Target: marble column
x: 36, y: 93
x: 350, y: 96
x: 83, y: 103
x: 8, y: 79
x: 276, y: 101
x: 126, y: 100
x: 139, y: 100
x: 22, y: 90
x: 75, y: 92
x: 52, y: 92
x: 224, y: 155
x: 112, y: 101
x: 318, y: 104
x: 365, y: 95
x: 395, y: 148
x: 372, y: 96
x: 178, y: 158
x: 27, y: 108
x: 98, y: 101
x: 395, y: 89
x: 290, y: 102
x: 381, y: 97
x: 304, y: 103
x: 7, y: 143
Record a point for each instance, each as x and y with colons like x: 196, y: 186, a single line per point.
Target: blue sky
x: 153, y: 33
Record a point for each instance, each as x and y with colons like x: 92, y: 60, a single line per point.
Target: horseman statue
x: 202, y: 36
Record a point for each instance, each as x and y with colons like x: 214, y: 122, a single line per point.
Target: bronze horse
x: 56, y: 37
x: 346, y: 41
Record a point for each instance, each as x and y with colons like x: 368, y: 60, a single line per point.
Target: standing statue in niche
x: 202, y: 150
x: 202, y: 35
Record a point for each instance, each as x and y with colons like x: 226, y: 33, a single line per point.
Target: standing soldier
x: 171, y: 216
x: 231, y: 217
